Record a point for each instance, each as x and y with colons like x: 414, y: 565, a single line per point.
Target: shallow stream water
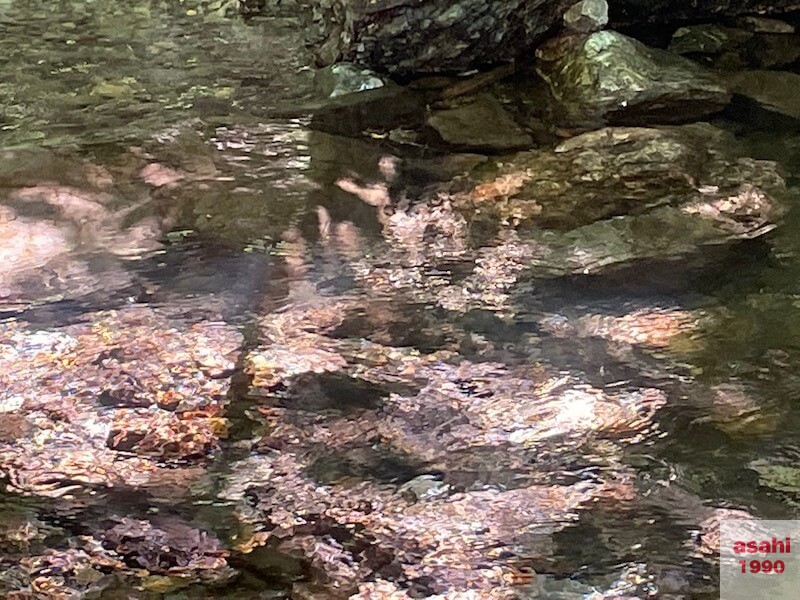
x: 186, y: 126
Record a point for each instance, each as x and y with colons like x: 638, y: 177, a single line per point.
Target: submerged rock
x: 78, y: 443
x: 468, y: 543
x: 73, y: 388
x: 480, y: 124
x: 365, y: 470
x: 610, y: 78
x: 654, y: 328
x: 63, y: 241
x: 121, y: 554
x: 619, y: 194
x: 664, y: 233
x: 599, y: 201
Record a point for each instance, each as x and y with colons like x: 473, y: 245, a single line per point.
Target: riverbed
x: 218, y: 340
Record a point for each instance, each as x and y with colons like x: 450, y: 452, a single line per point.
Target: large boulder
x: 616, y: 195
x: 429, y: 36
x: 406, y: 37
x: 608, y: 78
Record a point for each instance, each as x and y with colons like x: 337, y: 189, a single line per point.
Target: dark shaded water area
x: 217, y: 347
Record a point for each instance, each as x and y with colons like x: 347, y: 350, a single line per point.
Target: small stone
x: 345, y: 78
x: 10, y: 404
x: 587, y: 16
x: 423, y: 487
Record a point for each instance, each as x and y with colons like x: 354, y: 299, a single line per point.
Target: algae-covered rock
x: 610, y: 78
x: 779, y: 472
x: 482, y: 124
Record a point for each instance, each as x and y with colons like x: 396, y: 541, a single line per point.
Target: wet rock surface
x: 608, y: 78
x: 344, y: 78
x: 430, y: 36
x: 587, y: 16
